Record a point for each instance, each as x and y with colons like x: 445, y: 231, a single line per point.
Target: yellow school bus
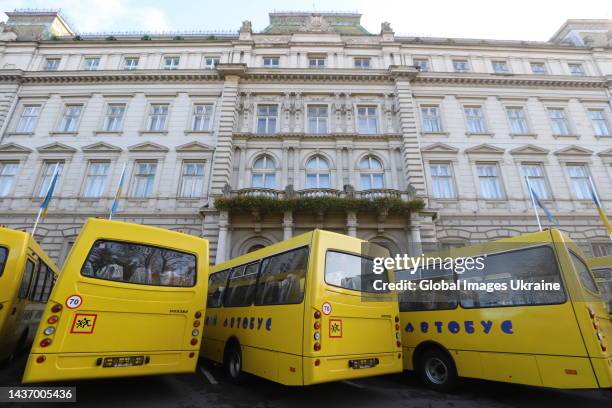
x: 602, y: 269
x: 128, y: 302
x: 27, y: 275
x: 300, y: 312
x: 556, y: 337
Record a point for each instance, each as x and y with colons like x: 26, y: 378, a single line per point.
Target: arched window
x: 371, y: 173
x: 264, y: 173
x: 255, y: 248
x: 317, y: 173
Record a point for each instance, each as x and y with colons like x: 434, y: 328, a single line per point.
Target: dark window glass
x: 39, y: 282
x: 427, y: 299
x: 140, y: 264
x: 216, y: 288
x: 529, y: 265
x: 583, y: 273
x: 26, y: 279
x: 352, y: 272
x: 241, y: 285
x: 282, y: 278
x: 49, y: 283
x: 3, y: 256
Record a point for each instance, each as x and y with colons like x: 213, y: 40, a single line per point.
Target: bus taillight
x: 40, y: 359
x: 53, y: 319
x: 56, y: 308
x: 317, y: 314
x: 317, y: 347
x: 45, y: 342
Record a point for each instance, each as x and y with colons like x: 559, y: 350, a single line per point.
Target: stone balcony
x: 321, y: 192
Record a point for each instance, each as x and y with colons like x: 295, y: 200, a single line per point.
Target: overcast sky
x: 493, y: 19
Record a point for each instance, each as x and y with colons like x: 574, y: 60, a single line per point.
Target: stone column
x: 414, y: 236
x: 242, y: 167
x: 223, y: 238
x: 351, y: 224
x: 287, y: 225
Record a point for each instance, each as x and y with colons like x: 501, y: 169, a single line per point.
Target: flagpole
x: 600, y: 208
x: 533, y: 203
x: 40, y: 210
x: 118, y: 192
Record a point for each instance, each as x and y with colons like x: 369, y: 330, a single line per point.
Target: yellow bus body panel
x: 18, y: 316
x: 546, y: 340
x: 285, y: 352
x: 124, y: 319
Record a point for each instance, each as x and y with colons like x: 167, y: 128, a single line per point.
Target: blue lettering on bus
x: 454, y: 326
x: 259, y: 322
x: 225, y: 322
x: 245, y: 323
x: 506, y: 326
x: 469, y: 326
x: 269, y: 324
x: 424, y: 327
x: 409, y: 328
x: 232, y: 322
x: 438, y: 326
x: 486, y: 325
x: 252, y: 323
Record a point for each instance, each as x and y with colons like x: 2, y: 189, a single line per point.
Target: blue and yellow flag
x: 600, y: 210
x: 549, y: 215
x: 117, y: 194
x: 44, y: 207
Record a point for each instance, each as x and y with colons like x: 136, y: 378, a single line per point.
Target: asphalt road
x: 200, y: 390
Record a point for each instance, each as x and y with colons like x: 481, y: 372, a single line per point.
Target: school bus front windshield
x: 301, y: 312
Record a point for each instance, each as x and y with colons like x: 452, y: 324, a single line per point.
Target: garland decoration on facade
x: 263, y: 204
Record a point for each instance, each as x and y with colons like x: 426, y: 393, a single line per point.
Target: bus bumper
x: 78, y: 366
x: 337, y: 368
x: 603, y: 371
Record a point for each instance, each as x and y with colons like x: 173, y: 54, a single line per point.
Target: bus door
x: 589, y: 308
x: 129, y: 301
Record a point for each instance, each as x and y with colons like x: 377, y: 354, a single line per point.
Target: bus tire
x: 232, y: 361
x: 437, y: 370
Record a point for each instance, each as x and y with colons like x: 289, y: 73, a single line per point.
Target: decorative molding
x: 440, y: 148
x: 484, y: 149
x: 605, y: 153
x: 101, y: 147
x: 194, y: 147
x: 14, y: 148
x: 529, y: 150
x: 148, y: 147
x: 56, y: 148
x: 574, y: 151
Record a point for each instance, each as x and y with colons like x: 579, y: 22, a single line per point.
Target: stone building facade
x: 313, y: 105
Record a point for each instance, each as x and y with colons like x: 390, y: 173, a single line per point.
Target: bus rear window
x: 586, y: 279
x: 345, y: 271
x: 140, y: 264
x: 216, y: 288
x: 282, y: 278
x: 3, y: 256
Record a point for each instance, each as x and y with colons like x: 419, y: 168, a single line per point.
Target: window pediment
x: 574, y: 151
x: 484, y: 149
x: 148, y: 147
x: 14, y: 148
x: 529, y: 150
x: 56, y: 148
x: 101, y: 147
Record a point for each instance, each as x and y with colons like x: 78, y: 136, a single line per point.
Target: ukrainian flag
x: 600, y: 210
x: 44, y: 207
x: 117, y: 194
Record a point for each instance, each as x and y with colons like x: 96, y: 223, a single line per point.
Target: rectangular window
x: 131, y: 63
x: 95, y: 181
x: 475, y: 119
x: 158, y: 116
x: 211, y: 62
x: 412, y: 300
x: 599, y: 122
x: 43, y: 284
x: 144, y: 179
x: 316, y: 62
x: 113, y: 122
x: 47, y: 176
x: 599, y: 249
x: 283, y: 278
x: 28, y: 118
x: 91, y: 63
x: 518, y: 120
x: 192, y: 180
x: 422, y: 64
x: 529, y: 265
x: 430, y: 118
x: 352, y: 272
x: 579, y: 180
x: 537, y: 179
x: 266, y: 118
x: 241, y: 285
x: 70, y: 118
x: 576, y: 69
x: 317, y: 119
x: 367, y: 119
x: 26, y: 279
x: 363, y: 63
x: 202, y: 117
x: 51, y: 64
x: 140, y: 264
x: 461, y: 65
x: 271, y: 62
x: 442, y: 180
x: 217, y: 283
x: 171, y: 62
x: 584, y: 273
x: 490, y: 183
x: 538, y: 68
x: 558, y: 121
x: 500, y: 67
x: 3, y: 256
x: 8, y: 172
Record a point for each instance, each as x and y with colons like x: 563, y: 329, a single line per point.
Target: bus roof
x: 25, y: 237
x: 297, y: 241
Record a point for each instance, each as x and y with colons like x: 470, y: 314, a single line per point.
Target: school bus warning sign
x: 335, y: 328
x: 83, y: 323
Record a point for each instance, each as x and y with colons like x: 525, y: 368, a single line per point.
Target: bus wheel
x: 437, y: 370
x: 233, y: 361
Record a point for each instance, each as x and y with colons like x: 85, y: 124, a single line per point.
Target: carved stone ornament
x: 227, y: 189
x: 385, y: 27
x: 246, y: 27
x: 317, y: 23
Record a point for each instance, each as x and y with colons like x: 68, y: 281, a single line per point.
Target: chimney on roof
x: 33, y: 24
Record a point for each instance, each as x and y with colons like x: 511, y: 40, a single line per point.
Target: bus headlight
x: 49, y: 331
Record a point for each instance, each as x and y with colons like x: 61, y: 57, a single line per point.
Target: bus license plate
x: 126, y: 361
x: 363, y: 363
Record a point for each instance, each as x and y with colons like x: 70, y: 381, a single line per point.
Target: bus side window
x: 217, y: 283
x: 3, y: 256
x: 241, y: 285
x: 427, y: 299
x: 281, y: 278
x: 39, y: 283
x: 26, y: 279
x: 584, y: 274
